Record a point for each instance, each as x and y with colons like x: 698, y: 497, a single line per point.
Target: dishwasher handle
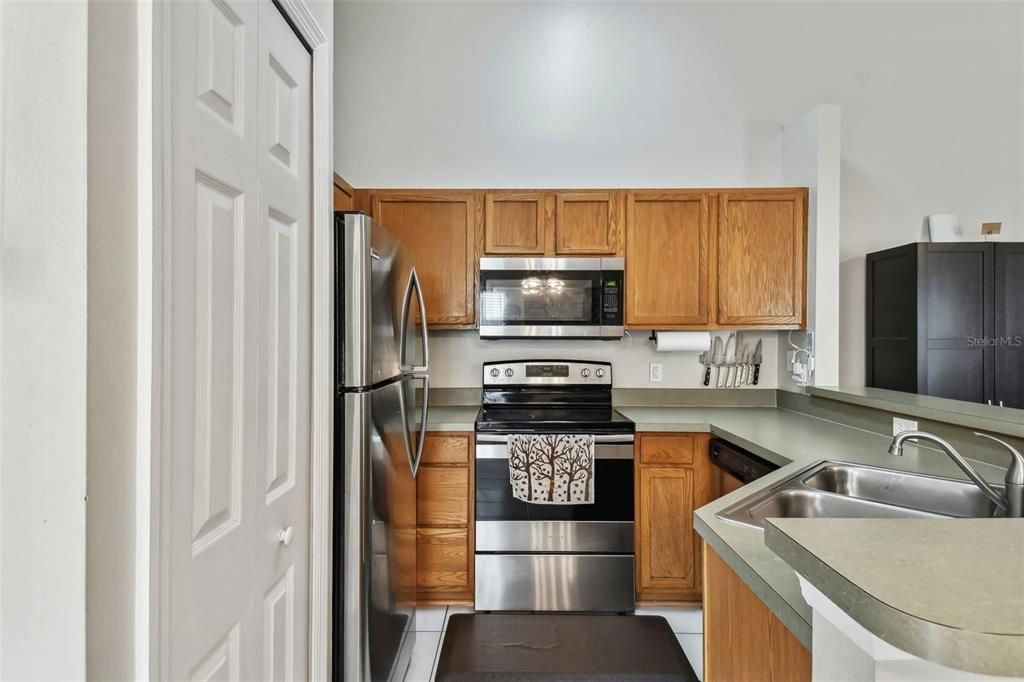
x: 739, y: 463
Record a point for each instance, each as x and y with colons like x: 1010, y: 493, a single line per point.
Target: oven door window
x: 520, y: 297
x: 613, y: 495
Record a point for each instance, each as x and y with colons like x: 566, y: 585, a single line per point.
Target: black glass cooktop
x: 502, y: 419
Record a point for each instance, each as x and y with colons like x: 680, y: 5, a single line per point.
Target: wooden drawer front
x: 446, y: 448
x: 667, y: 551
x: 443, y: 559
x: 514, y: 222
x: 666, y: 449
x: 587, y: 222
x: 442, y: 496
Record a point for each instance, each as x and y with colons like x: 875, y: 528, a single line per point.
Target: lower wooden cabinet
x: 444, y: 526
x: 673, y: 478
x: 743, y: 639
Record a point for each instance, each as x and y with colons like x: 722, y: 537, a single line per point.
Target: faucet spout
x: 896, y: 449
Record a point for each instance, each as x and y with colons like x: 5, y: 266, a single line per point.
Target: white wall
x: 811, y: 158
x: 455, y: 359
x: 43, y: 59
x: 693, y: 94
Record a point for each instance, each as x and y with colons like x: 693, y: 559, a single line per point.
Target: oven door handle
x: 601, y: 452
x: 605, y: 439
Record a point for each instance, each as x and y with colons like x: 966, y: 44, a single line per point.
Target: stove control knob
x: 509, y: 372
x: 495, y: 372
x: 599, y: 372
x: 585, y: 372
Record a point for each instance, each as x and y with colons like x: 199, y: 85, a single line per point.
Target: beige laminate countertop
x: 953, y: 591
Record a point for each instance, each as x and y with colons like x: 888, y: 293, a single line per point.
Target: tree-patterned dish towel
x: 551, y: 469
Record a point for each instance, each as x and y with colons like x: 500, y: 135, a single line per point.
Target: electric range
x: 553, y: 557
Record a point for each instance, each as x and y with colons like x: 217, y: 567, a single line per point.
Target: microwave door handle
x: 414, y: 279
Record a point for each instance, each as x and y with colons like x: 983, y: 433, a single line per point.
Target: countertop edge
x: 774, y: 602
x: 925, y: 639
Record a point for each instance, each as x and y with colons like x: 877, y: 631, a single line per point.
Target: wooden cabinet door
x: 439, y: 230
x: 443, y: 561
x: 1009, y: 324
x: 743, y: 640
x: 762, y: 258
x: 515, y: 222
x: 668, y: 261
x: 344, y: 195
x: 588, y: 222
x: 667, y: 549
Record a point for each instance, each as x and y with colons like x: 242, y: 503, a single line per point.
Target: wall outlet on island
x: 899, y: 425
x: 656, y: 372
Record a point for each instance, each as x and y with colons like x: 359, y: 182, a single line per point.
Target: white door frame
x: 151, y: 622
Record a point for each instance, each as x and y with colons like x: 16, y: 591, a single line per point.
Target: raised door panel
x: 439, y: 232
x: 588, y: 222
x: 743, y: 640
x: 667, y: 259
x: 665, y: 553
x: 762, y: 258
x: 1009, y: 324
x: 442, y: 496
x: 515, y: 222
x: 444, y: 561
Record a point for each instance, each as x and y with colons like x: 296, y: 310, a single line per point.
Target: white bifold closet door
x: 234, y: 525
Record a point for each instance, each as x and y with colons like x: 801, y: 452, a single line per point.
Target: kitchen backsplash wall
x: 456, y: 357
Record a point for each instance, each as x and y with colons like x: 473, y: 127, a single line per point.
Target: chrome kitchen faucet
x: 1012, y: 500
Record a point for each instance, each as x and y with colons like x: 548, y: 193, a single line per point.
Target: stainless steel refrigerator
x: 382, y: 397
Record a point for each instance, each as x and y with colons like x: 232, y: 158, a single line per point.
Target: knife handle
x: 757, y: 372
x: 707, y: 374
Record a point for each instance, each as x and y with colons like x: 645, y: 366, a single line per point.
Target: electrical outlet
x: 900, y: 425
x: 656, y: 371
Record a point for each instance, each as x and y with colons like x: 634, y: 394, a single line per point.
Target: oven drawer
x: 554, y: 582
x: 606, y: 537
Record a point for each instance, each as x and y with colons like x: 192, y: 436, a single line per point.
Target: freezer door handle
x: 414, y: 283
x: 424, y: 414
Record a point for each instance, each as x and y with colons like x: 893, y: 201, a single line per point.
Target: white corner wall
x: 623, y: 94
x: 811, y: 158
x: 43, y: 61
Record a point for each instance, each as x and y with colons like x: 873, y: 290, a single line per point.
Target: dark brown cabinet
x: 946, y: 320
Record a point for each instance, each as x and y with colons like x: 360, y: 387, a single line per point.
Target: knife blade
x: 730, y: 358
x: 706, y: 360
x: 744, y: 360
x: 757, y: 362
x: 716, y: 357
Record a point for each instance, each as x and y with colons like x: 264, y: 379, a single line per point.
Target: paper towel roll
x: 696, y: 342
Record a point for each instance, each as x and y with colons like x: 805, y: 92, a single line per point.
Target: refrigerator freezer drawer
x: 555, y: 582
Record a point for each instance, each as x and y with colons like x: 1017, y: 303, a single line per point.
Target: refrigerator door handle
x: 413, y: 460
x: 414, y: 282
x: 424, y: 413
x: 403, y: 328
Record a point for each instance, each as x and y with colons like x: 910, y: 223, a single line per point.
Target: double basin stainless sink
x: 842, y: 490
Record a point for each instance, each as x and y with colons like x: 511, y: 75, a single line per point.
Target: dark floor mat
x: 561, y: 647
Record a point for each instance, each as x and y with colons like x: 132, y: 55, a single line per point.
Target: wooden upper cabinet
x: 439, y: 229
x: 762, y: 258
x: 588, y: 222
x: 344, y: 195
x: 668, y: 260
x: 515, y: 222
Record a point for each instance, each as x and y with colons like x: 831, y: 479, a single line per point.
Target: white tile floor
x: 432, y: 622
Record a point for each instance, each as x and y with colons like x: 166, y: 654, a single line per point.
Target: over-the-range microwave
x: 573, y: 298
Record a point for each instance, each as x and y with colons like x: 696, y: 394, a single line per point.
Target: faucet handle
x: 1015, y: 472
